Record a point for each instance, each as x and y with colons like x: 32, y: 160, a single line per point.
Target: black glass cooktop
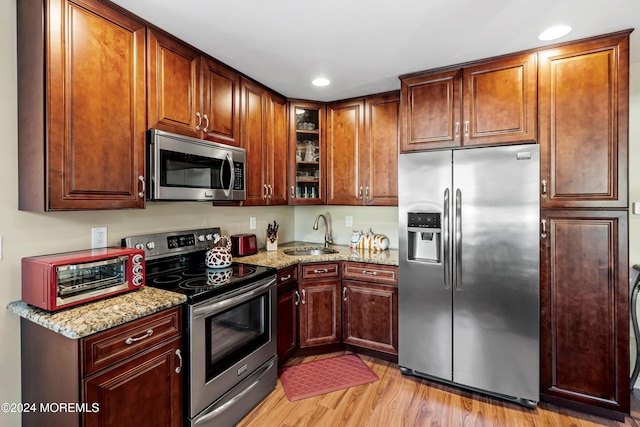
x: 189, y: 276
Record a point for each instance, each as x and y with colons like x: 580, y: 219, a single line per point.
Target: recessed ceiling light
x: 321, y: 81
x: 555, y: 32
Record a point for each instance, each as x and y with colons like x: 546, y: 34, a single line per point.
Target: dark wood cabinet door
x: 277, y: 150
x: 430, y: 111
x: 584, y: 107
x: 345, y: 153
x: 381, y: 150
x: 370, y: 316
x: 174, y: 93
x: 288, y: 301
x: 143, y: 391
x: 89, y: 153
x: 585, y: 309
x: 319, y: 313
x: 500, y: 101
x: 221, y: 103
x: 252, y: 123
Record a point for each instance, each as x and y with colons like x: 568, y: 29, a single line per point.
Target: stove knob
x: 209, y: 236
x: 139, y: 246
x: 137, y: 280
x: 201, y: 238
x: 137, y: 270
x: 137, y: 258
x: 151, y: 245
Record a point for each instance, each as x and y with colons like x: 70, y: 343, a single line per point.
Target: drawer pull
x: 324, y: 270
x: 179, y: 367
x: 372, y: 273
x: 146, y: 335
x: 282, y: 279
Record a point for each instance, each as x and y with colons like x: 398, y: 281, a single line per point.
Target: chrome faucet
x: 327, y: 230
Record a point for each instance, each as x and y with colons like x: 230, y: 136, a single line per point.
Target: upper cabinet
x: 584, y: 119
x: 81, y: 108
x: 264, y: 136
x: 191, y: 94
x: 362, y: 151
x: 307, y: 153
x: 486, y: 104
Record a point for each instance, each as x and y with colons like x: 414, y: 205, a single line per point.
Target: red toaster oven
x: 57, y: 281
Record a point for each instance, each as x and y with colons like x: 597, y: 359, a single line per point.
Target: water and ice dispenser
x: 424, y: 236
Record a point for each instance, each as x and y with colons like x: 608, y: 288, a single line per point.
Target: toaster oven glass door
x: 77, y: 281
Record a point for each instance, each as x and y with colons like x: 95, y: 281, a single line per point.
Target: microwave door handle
x: 227, y: 191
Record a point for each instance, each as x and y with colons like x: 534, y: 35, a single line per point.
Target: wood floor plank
x: 396, y: 400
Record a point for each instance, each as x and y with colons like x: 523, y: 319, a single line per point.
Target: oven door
x: 231, y: 337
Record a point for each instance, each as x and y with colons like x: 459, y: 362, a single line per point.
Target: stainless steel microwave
x: 184, y: 168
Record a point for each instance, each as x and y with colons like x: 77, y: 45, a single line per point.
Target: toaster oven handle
x: 232, y: 181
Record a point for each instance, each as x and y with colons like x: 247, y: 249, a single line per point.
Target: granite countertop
x: 278, y: 259
x: 87, y: 319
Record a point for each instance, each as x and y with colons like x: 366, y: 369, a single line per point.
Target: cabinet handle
x: 543, y: 191
x: 199, y: 125
x: 179, y: 355
x: 344, y: 293
x: 293, y: 192
x: 206, y: 127
x: 270, y: 191
x: 457, y: 129
x: 325, y: 270
x: 366, y: 192
x: 466, y: 128
x: 283, y: 279
x: 297, y: 297
x: 371, y: 273
x: 147, y: 334
x: 144, y: 187
x: 543, y: 233
x: 266, y: 191
x: 360, y: 193
x: 304, y: 297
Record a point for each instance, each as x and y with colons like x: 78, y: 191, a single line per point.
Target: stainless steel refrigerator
x: 469, y: 268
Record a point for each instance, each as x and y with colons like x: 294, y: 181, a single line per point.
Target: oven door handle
x: 222, y: 305
x: 232, y: 180
x: 240, y: 395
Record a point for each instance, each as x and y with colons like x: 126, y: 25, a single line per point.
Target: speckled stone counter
x: 87, y: 319
x: 278, y: 259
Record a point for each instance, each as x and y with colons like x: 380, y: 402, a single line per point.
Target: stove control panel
x: 175, y: 242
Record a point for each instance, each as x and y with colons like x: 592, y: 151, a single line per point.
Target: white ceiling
x: 363, y: 46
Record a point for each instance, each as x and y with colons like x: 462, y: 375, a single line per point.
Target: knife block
x: 271, y: 246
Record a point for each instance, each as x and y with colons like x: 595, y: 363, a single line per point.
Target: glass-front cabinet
x: 307, y: 153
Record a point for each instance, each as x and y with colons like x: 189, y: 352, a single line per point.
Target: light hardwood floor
x: 402, y: 401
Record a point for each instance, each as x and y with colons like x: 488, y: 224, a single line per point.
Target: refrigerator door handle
x: 445, y: 241
x: 458, y: 240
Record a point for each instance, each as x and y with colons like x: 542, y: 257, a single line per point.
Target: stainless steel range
x: 230, y: 324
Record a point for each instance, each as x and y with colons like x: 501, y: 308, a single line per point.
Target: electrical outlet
x: 349, y: 221
x: 252, y: 223
x: 98, y: 237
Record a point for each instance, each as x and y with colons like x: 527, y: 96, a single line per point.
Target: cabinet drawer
x: 286, y: 276
x: 370, y: 272
x: 319, y: 270
x: 106, y: 348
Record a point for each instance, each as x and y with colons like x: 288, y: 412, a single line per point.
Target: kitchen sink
x: 309, y: 251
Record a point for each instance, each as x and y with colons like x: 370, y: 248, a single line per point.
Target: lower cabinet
x: 287, y: 312
x: 361, y: 310
x: 370, y: 306
x: 130, y: 375
x: 585, y: 310
x: 319, y: 285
